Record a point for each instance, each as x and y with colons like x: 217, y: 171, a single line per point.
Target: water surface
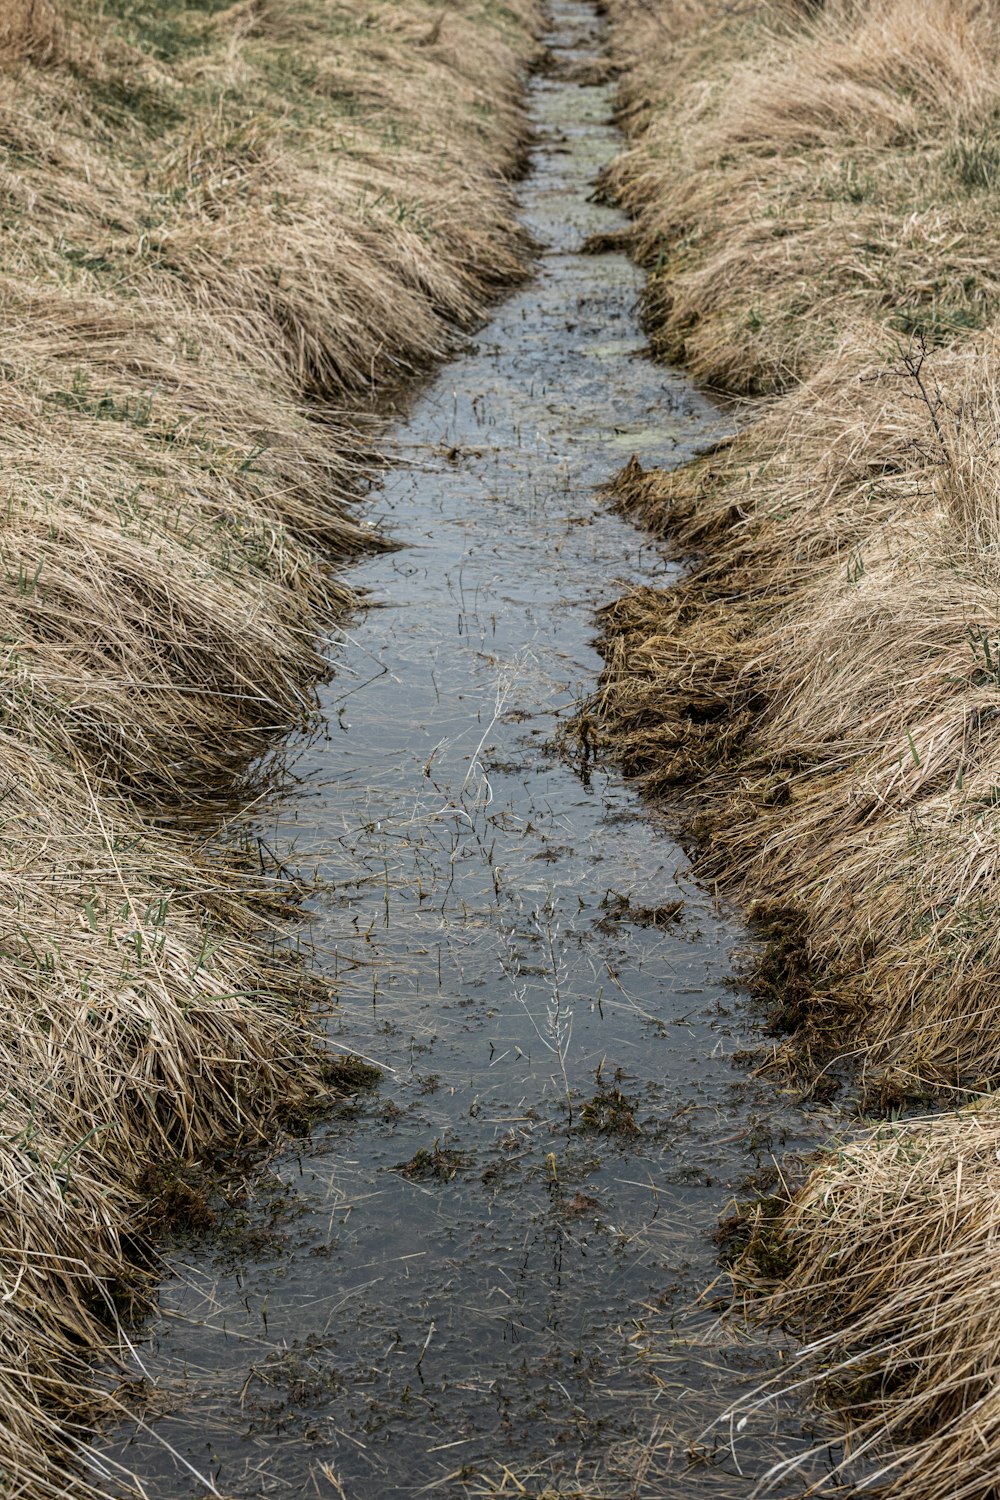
x: 476, y: 1277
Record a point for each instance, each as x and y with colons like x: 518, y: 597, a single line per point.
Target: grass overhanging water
x: 813, y: 188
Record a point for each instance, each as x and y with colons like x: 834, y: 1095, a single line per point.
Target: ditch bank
x: 224, y: 227
x: 478, y: 1278
x: 818, y: 693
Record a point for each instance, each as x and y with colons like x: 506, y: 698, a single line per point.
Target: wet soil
x: 480, y: 1274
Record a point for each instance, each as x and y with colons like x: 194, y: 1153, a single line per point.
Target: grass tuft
x: 796, y: 166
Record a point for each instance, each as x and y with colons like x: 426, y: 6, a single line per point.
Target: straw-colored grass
x: 827, y: 678
x: 892, y: 1248
x: 29, y: 29
x: 799, y: 165
x: 820, y: 692
x: 222, y: 229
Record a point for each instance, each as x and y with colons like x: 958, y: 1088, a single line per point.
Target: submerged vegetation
x: 814, y: 189
x: 223, y: 226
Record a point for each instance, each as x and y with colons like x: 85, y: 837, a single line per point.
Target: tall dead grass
x: 223, y: 230
x: 826, y: 677
x: 29, y: 29
x: 814, y: 194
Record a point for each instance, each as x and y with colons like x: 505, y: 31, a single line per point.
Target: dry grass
x: 826, y: 680
x: 827, y: 677
x: 29, y: 29
x: 825, y: 684
x: 222, y: 231
x: 893, y: 1247
x: 816, y: 199
x: 811, y: 164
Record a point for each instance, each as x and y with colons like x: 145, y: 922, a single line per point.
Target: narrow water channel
x: 476, y: 1276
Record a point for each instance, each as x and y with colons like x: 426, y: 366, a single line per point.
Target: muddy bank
x: 224, y: 228
x: 819, y: 691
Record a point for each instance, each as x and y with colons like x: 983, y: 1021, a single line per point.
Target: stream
x: 478, y: 1277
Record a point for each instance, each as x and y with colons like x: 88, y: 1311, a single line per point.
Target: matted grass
x: 814, y: 192
x: 222, y: 230
x: 891, y: 1247
x: 827, y: 677
x: 800, y: 165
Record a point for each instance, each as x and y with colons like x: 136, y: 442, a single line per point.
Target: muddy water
x: 480, y: 1269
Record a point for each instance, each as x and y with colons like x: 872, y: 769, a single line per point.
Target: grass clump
x: 610, y: 1111
x: 30, y: 29
x: 887, y: 1250
x: 349, y: 1074
x: 222, y: 229
x: 435, y: 1163
x: 824, y: 680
